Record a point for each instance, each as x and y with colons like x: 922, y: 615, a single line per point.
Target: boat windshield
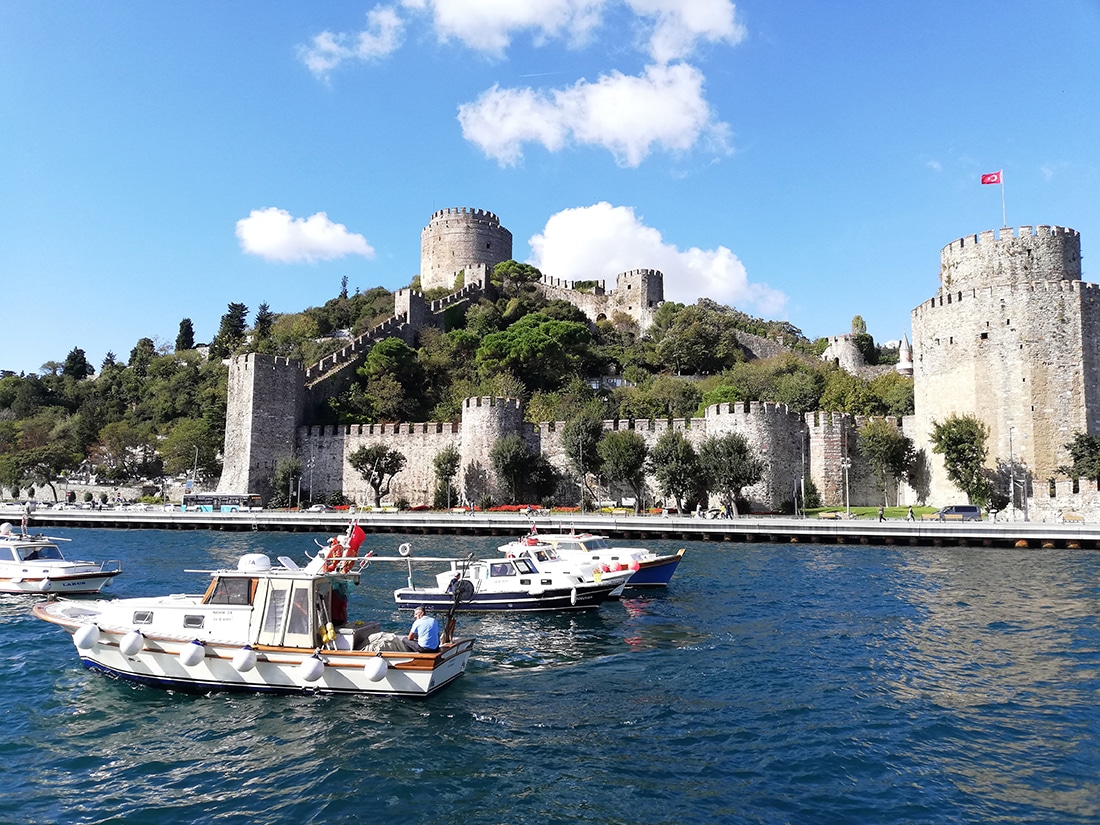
x: 45, y: 552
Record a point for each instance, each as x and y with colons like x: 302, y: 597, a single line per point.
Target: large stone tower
x: 458, y: 238
x: 1013, y: 337
x: 265, y: 404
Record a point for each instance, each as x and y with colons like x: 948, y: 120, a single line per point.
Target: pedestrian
x: 882, y: 514
x: 909, y: 516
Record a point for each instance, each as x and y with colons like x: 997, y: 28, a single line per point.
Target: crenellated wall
x: 1031, y: 254
x: 637, y: 294
x: 457, y: 239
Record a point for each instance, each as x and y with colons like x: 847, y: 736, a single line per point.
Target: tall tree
x: 76, y: 365
x: 185, y: 338
x: 887, y: 450
x: 377, y: 464
x: 730, y: 465
x: 263, y: 322
x: 675, y: 464
x: 445, y: 464
x: 961, y: 440
x: 623, y: 453
x: 580, y: 439
x: 1084, y: 450
x: 230, y: 331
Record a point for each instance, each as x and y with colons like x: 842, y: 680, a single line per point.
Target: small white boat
x: 509, y: 584
x: 260, y: 627
x: 35, y: 564
x: 548, y: 560
x: 649, y: 568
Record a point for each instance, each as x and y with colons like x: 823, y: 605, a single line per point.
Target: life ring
x: 335, y: 551
x: 348, y: 563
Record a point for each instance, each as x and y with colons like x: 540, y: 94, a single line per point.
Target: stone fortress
x: 1013, y: 336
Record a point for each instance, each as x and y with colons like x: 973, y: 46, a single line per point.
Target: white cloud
x: 600, y: 241
x: 626, y: 115
x: 276, y: 236
x: 680, y: 24
x: 489, y: 25
x: 382, y: 36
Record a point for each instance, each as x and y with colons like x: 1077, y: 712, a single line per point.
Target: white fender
x: 573, y: 596
x: 312, y: 668
x: 132, y: 643
x: 405, y: 549
x: 87, y: 637
x: 375, y: 669
x: 244, y: 660
x: 192, y: 653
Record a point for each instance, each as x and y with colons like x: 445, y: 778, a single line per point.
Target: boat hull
x: 161, y: 662
x: 655, y: 572
x: 558, y: 599
x: 79, y: 584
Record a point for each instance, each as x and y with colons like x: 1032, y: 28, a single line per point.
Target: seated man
x: 424, y: 635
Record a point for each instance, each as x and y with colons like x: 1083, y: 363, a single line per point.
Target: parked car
x: 965, y: 512
x: 319, y: 508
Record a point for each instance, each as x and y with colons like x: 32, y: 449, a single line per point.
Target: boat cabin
x: 29, y: 552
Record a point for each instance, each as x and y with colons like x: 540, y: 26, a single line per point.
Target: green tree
x: 231, y: 331
x: 675, y: 465
x: 377, y: 464
x: 544, y: 352
x: 1084, y: 451
x: 76, y: 365
x: 623, y: 454
x: 185, y: 338
x: 178, y: 448
x: 263, y: 322
x: 730, y: 465
x: 510, y: 459
x: 961, y: 440
x: 284, y: 478
x: 888, y: 452
x: 580, y: 439
x: 445, y: 463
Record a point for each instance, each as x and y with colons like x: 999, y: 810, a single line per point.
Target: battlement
x: 1032, y: 253
x: 490, y: 401
x: 750, y: 408
x: 466, y: 213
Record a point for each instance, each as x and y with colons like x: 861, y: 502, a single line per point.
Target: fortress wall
x: 776, y: 434
x: 330, y: 446
x: 485, y: 421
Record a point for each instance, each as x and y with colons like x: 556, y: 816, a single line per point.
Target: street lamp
x: 1011, y: 474
x: 845, y: 464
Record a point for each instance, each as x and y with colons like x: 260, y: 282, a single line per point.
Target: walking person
x: 909, y: 516
x: 882, y: 514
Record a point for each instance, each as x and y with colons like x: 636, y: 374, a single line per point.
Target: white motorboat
x: 509, y: 584
x: 261, y: 627
x: 650, y: 569
x: 547, y: 559
x: 35, y: 564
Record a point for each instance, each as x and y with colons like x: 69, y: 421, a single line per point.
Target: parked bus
x: 220, y: 502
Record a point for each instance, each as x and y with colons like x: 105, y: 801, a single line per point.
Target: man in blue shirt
x: 424, y: 635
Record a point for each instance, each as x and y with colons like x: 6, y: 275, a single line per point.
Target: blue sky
x: 801, y: 160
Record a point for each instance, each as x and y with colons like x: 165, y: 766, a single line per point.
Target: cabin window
x: 299, y: 611
x: 525, y: 566
x: 40, y: 553
x: 546, y: 581
x: 525, y: 581
x: 143, y: 617
x: 276, y: 605
x: 193, y: 622
x: 504, y: 569
x: 230, y: 591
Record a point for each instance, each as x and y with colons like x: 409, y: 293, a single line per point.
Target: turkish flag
x: 992, y: 177
x: 356, y: 538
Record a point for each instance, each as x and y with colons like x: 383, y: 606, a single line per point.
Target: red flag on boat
x: 356, y: 538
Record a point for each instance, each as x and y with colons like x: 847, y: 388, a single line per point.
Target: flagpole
x: 1004, y: 216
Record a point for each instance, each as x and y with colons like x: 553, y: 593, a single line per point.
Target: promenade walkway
x: 750, y: 529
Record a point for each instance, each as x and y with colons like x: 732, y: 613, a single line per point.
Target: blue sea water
x: 769, y: 684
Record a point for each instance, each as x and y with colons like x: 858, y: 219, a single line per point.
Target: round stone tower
x: 457, y: 238
x: 485, y: 421
x: 1013, y: 338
